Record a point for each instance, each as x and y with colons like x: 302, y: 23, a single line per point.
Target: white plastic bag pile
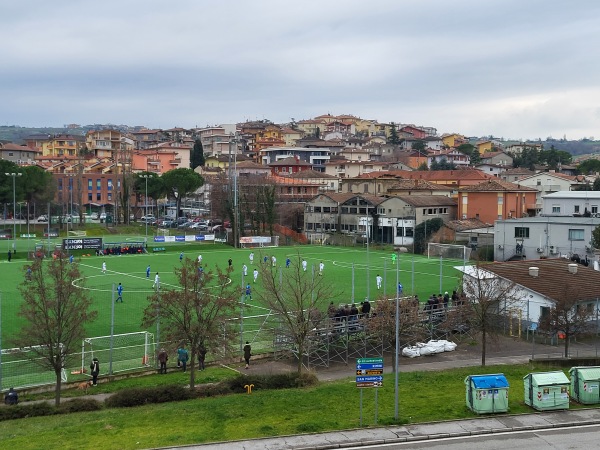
x: 430, y: 348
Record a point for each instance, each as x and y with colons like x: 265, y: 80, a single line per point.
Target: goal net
x: 127, y: 351
x: 448, y: 251
x: 23, y: 367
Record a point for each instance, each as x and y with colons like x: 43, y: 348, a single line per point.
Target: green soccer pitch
x: 351, y: 271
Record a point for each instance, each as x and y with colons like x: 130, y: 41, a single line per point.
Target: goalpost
x: 127, y: 351
x: 259, y: 241
x: 22, y: 367
x: 448, y: 251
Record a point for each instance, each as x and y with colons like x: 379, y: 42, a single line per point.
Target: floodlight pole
x: 146, y: 176
x: 397, y: 352
x: 14, y: 176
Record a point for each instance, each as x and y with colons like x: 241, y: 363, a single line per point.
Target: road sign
x: 370, y: 372
x: 369, y: 361
x: 369, y: 366
x: 369, y: 378
x: 369, y: 384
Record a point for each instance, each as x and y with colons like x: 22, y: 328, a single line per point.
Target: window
x: 381, y: 211
x: 555, y: 209
x: 576, y: 210
x: 345, y: 210
x: 362, y: 210
x: 89, y: 185
x: 522, y: 232
x: 408, y: 232
x: 98, y: 196
x: 539, y: 182
x: 98, y: 184
x: 318, y: 209
x: 576, y: 234
x: 326, y: 209
x: 366, y: 188
x: 594, y: 209
x: 90, y: 197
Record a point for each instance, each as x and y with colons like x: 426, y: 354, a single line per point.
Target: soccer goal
x: 448, y: 251
x: 23, y: 367
x: 127, y: 351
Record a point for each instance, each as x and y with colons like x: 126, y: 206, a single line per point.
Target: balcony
x: 175, y: 161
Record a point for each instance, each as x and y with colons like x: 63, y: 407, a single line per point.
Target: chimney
x: 534, y: 271
x: 573, y: 268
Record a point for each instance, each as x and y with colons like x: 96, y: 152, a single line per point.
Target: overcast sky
x: 509, y: 68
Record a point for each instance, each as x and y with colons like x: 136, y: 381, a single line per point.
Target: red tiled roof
x: 428, y: 200
x: 496, y: 185
x: 413, y: 185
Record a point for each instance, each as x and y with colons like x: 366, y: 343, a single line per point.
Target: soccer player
x: 104, y: 267
x: 28, y: 274
x: 251, y: 258
x: 321, y: 267
x: 379, y: 280
x: 229, y: 262
x: 304, y: 265
x: 400, y: 288
x: 71, y: 258
x: 199, y: 259
x: 288, y: 261
x: 181, y: 257
x: 119, y: 293
x: 148, y: 271
x: 274, y: 260
x: 248, y: 292
x: 255, y: 273
x: 156, y: 282
x: 245, y: 270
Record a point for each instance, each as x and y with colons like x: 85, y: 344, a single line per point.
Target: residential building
x: 349, y: 169
x: 498, y: 157
x: 218, y: 140
x: 494, y: 200
x: 291, y: 136
x: 515, y: 174
x: 471, y: 232
x: 315, y: 157
x: 451, y: 156
x: 548, y: 182
x: 60, y: 145
x: 453, y: 140
x: 19, y: 154
x: 517, y: 149
x: 325, y: 182
x: 539, y: 285
x: 289, y: 166
x: 571, y: 203
x: 107, y: 143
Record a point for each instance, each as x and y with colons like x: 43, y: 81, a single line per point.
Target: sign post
x: 369, y: 373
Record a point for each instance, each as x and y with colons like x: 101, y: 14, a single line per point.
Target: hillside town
x: 333, y: 177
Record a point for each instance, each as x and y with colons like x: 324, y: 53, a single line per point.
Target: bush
x: 277, y: 381
x: 142, y: 396
x: 79, y: 405
x: 212, y: 390
x: 31, y: 410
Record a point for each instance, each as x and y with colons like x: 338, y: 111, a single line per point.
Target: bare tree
x: 55, y: 313
x: 382, y: 324
x: 295, y: 295
x: 568, y: 315
x: 197, y: 311
x: 487, y: 298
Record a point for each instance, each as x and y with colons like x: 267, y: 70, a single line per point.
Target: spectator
x: 247, y: 354
x: 163, y: 357
x: 446, y: 299
x: 182, y: 357
x: 366, y: 308
x: 331, y: 310
x: 201, y: 356
x: 95, y: 370
x: 11, y: 397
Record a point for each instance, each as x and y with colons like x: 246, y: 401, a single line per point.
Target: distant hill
x: 18, y: 134
x: 575, y: 148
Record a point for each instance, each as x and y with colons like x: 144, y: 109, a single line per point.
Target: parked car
x: 102, y: 216
x: 148, y: 217
x: 42, y: 218
x: 94, y: 216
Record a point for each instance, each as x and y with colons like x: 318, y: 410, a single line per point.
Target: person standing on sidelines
x: 104, y: 267
x: 148, y: 271
x: 255, y: 273
x: 71, y: 258
x: 251, y: 258
x: 163, y: 357
x: 156, y: 284
x: 201, y: 356
x: 288, y: 261
x: 182, y: 357
x: 304, y: 265
x: 245, y: 270
x: 321, y: 267
x: 119, y: 293
x: 378, y: 279
x: 230, y: 262
x: 95, y: 370
x: 247, y: 354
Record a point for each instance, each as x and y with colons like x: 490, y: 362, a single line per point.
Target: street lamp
x: 70, y: 215
x: 145, y: 177
x: 14, y: 176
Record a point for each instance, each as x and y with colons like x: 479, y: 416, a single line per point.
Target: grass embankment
x: 424, y: 397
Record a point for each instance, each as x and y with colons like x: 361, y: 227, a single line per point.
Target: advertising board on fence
x: 82, y: 244
x: 255, y: 240
x: 188, y: 238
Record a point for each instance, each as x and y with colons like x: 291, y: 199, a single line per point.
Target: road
x: 581, y: 437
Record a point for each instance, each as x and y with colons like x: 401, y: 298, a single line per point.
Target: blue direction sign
x: 369, y: 366
x: 369, y: 379
x: 369, y: 361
